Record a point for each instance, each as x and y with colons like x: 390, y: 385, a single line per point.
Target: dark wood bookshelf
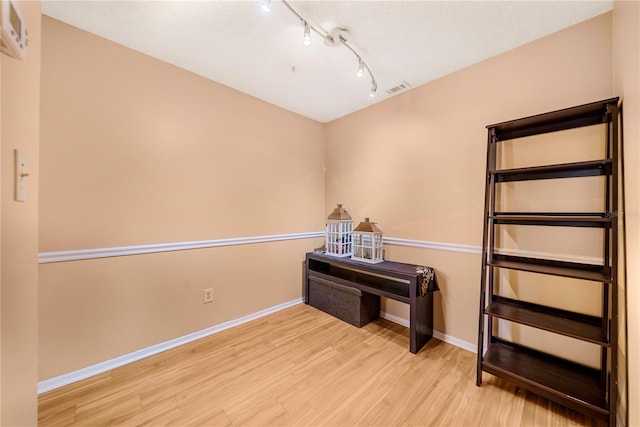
x: 563, y: 170
x: 569, y: 118
x: 557, y: 220
x: 573, y: 270
x: 593, y: 391
x: 574, y: 385
x: 568, y: 323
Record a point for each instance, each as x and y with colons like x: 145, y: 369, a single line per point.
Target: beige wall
x: 420, y: 156
x: 626, y: 36
x: 136, y: 151
x: 139, y: 151
x: 19, y: 230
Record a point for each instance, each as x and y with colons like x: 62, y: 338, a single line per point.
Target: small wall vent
x: 399, y: 88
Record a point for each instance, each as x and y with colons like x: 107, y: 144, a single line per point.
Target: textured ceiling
x: 239, y: 45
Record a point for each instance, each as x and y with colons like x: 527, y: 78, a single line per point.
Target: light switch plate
x: 21, y: 174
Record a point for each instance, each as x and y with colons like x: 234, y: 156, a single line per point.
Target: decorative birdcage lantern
x: 339, y: 228
x: 367, y: 242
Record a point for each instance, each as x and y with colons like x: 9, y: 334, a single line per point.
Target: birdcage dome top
x: 367, y: 226
x: 339, y: 214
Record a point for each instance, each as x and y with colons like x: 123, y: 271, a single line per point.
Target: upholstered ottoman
x: 346, y: 303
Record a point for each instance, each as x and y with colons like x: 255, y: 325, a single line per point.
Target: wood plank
x: 557, y: 268
x: 557, y: 220
x: 568, y: 118
x: 586, y: 328
x: 392, y: 290
x: 564, y: 170
x: 575, y: 385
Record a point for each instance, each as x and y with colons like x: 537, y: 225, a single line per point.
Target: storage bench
x: 346, y: 303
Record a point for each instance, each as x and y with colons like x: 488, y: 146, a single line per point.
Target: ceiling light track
x: 362, y: 65
x: 337, y: 35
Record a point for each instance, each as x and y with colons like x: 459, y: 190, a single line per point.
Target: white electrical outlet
x: 207, y: 295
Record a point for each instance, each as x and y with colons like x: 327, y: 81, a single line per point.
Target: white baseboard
x: 395, y: 319
x: 436, y: 334
x: 84, y: 373
x: 465, y: 345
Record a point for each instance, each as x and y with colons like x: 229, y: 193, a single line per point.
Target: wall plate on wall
x: 20, y: 193
x: 13, y: 30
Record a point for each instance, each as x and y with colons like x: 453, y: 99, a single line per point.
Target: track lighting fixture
x: 307, y: 34
x: 337, y: 36
x: 360, y: 71
x: 374, y: 88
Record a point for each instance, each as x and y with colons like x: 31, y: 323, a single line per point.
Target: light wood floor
x: 302, y: 367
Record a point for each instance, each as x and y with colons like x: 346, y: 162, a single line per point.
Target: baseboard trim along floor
x: 84, y: 373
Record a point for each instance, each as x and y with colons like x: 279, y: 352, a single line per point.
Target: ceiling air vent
x: 402, y: 86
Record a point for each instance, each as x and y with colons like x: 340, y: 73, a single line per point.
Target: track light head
x: 360, y: 71
x: 307, y: 34
x: 266, y: 5
x: 374, y: 88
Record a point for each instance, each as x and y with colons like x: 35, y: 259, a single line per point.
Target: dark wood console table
x: 394, y: 280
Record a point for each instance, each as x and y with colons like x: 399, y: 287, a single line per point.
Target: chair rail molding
x: 94, y: 253
x: 83, y: 254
